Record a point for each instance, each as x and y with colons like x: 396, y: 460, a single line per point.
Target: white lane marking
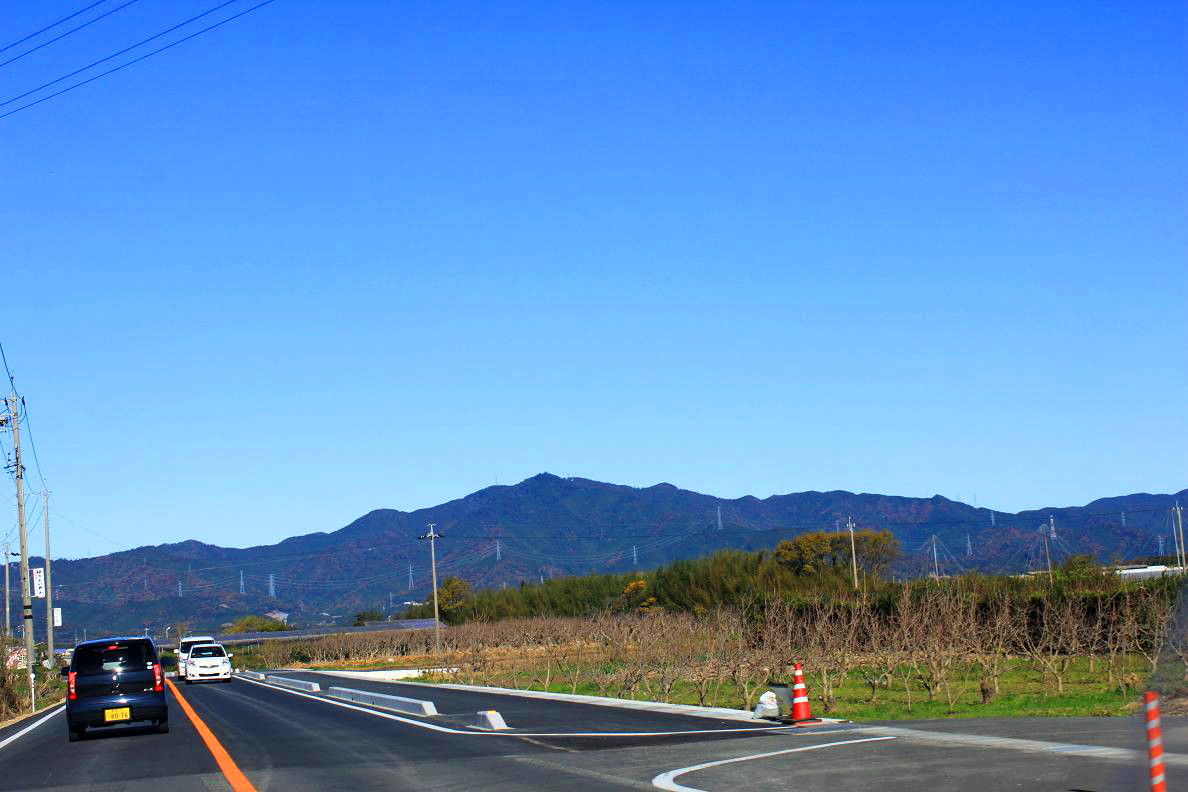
x: 1028, y: 746
x: 448, y: 730
x: 668, y: 780
x: 31, y: 726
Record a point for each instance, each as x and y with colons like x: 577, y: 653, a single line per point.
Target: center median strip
x: 409, y: 706
x: 489, y: 727
x: 295, y: 684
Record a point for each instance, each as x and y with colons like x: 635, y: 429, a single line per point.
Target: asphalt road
x: 281, y: 740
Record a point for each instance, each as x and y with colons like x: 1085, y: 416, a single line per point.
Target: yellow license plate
x: 118, y: 714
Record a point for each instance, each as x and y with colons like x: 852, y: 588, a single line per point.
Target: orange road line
x: 231, y: 771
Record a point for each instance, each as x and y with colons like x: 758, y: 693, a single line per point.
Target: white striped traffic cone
x: 801, y: 711
x: 1154, y: 742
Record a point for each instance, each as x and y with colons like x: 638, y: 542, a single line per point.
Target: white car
x: 207, y: 663
x: 183, y: 650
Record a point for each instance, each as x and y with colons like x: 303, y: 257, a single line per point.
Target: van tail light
x: 71, y: 683
x: 158, y: 678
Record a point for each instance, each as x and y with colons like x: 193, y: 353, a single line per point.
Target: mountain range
x: 548, y: 526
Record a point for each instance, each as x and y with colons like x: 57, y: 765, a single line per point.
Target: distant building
x: 280, y: 616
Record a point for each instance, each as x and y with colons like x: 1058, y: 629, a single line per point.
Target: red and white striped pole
x: 1154, y: 742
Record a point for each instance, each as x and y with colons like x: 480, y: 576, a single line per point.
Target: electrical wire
x: 129, y: 63
x: 51, y: 25
x: 16, y: 58
x: 140, y: 43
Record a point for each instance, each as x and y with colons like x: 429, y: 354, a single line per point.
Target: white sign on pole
x: 57, y: 617
x: 38, y: 582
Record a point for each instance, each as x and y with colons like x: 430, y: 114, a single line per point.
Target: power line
x: 67, y: 33
x: 131, y: 62
x: 32, y: 445
x: 117, y: 54
x: 52, y: 25
x: 7, y: 371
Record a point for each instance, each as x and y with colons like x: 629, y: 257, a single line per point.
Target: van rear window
x: 112, y: 657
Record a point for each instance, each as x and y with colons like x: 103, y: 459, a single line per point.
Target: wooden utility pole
x: 14, y: 421
x: 433, y: 537
x: 49, y: 587
x: 853, y: 551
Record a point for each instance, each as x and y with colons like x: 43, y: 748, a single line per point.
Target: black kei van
x: 115, y: 681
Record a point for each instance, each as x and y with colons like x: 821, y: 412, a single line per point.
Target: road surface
x: 277, y: 739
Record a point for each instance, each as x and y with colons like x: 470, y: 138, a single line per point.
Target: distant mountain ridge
x: 547, y: 526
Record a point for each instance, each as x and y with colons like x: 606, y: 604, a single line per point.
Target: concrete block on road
x: 409, y: 706
x: 256, y: 675
x: 488, y: 720
x: 295, y: 684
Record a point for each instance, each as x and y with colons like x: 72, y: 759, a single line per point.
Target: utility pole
x: 1047, y: 555
x: 272, y: 585
x: 14, y: 422
x: 179, y: 591
x: 49, y: 586
x: 433, y: 537
x: 634, y: 556
x: 498, y: 552
x: 853, y: 551
x: 935, y: 563
x: 968, y: 547
x: 7, y: 618
x: 410, y: 580
x: 1180, y: 532
x: 241, y: 591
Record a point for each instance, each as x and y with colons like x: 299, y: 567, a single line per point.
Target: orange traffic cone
x: 802, y: 713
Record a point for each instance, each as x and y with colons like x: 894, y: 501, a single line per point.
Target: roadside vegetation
x: 250, y: 624
x: 1077, y: 643
x: 14, y: 690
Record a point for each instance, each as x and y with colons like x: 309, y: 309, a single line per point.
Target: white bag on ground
x: 767, y: 707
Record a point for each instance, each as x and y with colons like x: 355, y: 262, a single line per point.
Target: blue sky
x: 339, y: 256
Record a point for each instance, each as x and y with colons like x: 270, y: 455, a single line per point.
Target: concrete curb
x: 487, y: 720
x: 719, y: 713
x: 409, y: 706
x: 295, y: 684
x: 256, y: 675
